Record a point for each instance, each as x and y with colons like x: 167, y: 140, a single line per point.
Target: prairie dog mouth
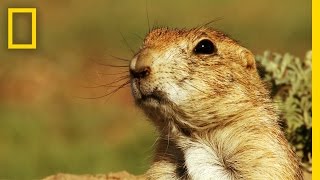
x: 154, y: 97
x: 151, y: 96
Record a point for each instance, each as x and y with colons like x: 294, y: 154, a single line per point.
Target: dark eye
x: 205, y: 47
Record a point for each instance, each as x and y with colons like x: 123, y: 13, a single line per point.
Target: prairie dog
x: 202, y: 91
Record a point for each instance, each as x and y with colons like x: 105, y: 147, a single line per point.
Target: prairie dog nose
x: 140, y: 65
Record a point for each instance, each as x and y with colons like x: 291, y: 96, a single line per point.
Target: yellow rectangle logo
x: 33, y: 44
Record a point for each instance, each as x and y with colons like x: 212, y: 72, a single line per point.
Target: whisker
x: 197, y: 88
x: 138, y: 36
x: 110, y: 93
x: 147, y: 13
x: 109, y: 86
x: 126, y: 42
x: 113, y: 56
x: 119, y: 58
x: 117, y: 89
x: 210, y: 22
x: 111, y: 83
x: 155, y: 142
x: 172, y: 87
x: 111, y: 65
x: 111, y: 74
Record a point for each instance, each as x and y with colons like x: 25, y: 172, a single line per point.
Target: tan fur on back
x: 213, y: 113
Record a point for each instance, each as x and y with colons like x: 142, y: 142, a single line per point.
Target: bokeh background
x: 46, y: 124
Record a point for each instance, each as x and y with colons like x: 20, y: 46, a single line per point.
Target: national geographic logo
x: 11, y: 43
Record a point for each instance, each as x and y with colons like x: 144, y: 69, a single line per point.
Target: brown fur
x: 213, y: 102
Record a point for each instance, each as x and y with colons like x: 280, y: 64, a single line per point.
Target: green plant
x: 289, y: 79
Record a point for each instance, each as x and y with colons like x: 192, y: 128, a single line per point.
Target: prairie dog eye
x: 205, y: 47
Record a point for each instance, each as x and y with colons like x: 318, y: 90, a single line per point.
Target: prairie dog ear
x: 247, y: 59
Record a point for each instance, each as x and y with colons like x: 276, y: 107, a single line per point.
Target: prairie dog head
x: 191, y: 77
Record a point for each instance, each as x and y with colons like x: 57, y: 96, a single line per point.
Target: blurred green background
x: 45, y: 128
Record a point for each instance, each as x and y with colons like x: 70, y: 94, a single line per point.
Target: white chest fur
x: 203, y: 163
